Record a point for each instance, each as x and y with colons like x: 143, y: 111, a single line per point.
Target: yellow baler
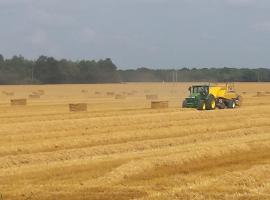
x: 225, y: 92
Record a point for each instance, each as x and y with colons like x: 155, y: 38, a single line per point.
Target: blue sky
x: 140, y: 33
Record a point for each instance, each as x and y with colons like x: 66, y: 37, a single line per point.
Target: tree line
x: 224, y: 74
x: 48, y: 70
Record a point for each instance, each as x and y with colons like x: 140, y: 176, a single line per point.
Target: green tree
x: 1, y: 58
x: 46, y: 70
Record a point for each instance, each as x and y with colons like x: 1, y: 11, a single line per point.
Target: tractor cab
x: 199, y: 90
x: 197, y: 93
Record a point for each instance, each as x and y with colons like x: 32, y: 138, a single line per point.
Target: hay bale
x: 18, y: 102
x: 259, y: 94
x: 10, y: 94
x: 159, y: 104
x: 78, y: 107
x: 84, y: 91
x: 97, y: 93
x: 35, y: 93
x: 120, y: 96
x: 151, y: 97
x: 110, y: 93
x: 41, y: 92
x: 146, y: 91
x: 34, y: 96
x: 262, y: 93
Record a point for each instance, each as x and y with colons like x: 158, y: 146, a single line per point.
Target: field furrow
x: 123, y: 149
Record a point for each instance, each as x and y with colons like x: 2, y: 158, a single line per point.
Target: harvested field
x: 151, y: 97
x: 34, y: 96
x: 123, y: 149
x: 159, y: 104
x: 78, y: 107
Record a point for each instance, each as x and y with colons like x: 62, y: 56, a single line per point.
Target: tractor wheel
x: 201, y: 105
x: 211, y: 103
x: 231, y: 104
x: 184, y: 104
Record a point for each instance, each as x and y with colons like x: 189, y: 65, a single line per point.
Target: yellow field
x: 122, y: 149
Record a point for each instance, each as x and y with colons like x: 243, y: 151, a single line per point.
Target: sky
x: 140, y: 33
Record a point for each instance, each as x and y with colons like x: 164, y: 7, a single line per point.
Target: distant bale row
x: 130, y: 93
x: 78, y: 107
x: 146, y: 91
x: 39, y: 92
x: 120, y: 96
x: 110, y: 93
x: 8, y: 93
x: 151, y: 96
x: 159, y: 104
x: 34, y: 96
x: 262, y: 93
x: 84, y: 91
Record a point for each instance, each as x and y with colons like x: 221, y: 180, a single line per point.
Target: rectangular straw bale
x: 38, y: 92
x: 120, y: 96
x: 110, y: 93
x: 259, y: 94
x: 78, y: 107
x: 41, y: 92
x: 35, y: 93
x: 159, y: 104
x: 146, y: 91
x: 18, y: 102
x: 151, y: 96
x: 34, y: 96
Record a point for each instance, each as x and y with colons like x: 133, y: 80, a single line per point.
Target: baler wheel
x: 231, y: 104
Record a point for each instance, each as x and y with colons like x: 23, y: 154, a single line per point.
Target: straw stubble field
x: 122, y: 149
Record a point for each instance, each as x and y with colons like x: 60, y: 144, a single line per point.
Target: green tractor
x: 206, y: 97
